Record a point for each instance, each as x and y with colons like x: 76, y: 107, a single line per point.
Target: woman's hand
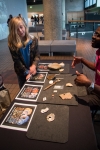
x: 76, y: 60
x: 28, y: 76
x: 82, y: 80
x: 33, y: 69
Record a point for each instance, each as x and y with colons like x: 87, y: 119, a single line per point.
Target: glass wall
x: 89, y: 3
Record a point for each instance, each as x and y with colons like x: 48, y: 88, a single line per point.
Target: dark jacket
x: 19, y: 64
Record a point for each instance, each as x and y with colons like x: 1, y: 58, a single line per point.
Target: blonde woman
x: 24, y: 50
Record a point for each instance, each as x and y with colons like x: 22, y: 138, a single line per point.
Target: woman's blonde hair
x: 14, y: 40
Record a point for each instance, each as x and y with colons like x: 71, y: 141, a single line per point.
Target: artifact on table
x: 44, y: 98
x: 44, y: 110
x: 55, y: 91
x: 51, y: 85
x: 51, y: 81
x: 50, y: 76
x: 61, y: 70
x: 50, y: 117
x: 54, y: 66
x: 69, y: 84
x: 62, y: 64
x: 65, y: 96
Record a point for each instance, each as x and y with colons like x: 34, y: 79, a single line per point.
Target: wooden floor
x: 83, y: 48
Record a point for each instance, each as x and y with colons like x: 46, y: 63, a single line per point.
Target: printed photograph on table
x: 19, y: 117
x: 39, y: 77
x: 43, y: 67
x: 29, y: 92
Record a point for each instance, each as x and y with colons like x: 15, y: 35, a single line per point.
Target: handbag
x: 5, y: 99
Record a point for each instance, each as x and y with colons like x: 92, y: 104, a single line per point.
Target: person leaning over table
x: 23, y: 49
x: 93, y: 99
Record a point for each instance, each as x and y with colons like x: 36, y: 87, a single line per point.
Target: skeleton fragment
x: 65, y: 96
x: 50, y: 117
x: 69, y: 84
x: 44, y: 110
x: 51, y: 82
x: 54, y: 66
x: 44, y: 98
x: 55, y: 91
x: 62, y: 64
x: 61, y: 70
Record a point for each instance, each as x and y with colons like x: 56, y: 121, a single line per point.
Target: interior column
x: 52, y: 19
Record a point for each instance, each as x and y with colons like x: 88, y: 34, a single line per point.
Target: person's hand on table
x: 33, y: 69
x: 82, y: 80
x: 28, y: 76
x: 76, y: 60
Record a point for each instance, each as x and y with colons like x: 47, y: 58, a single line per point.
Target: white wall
x: 8, y: 7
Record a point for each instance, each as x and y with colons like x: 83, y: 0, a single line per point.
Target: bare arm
x: 89, y: 64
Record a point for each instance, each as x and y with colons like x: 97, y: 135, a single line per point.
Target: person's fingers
x: 77, y: 73
x: 34, y: 72
x: 73, y: 64
x: 28, y: 76
x: 74, y: 57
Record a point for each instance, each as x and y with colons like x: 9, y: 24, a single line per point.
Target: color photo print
x: 19, y: 117
x: 29, y: 92
x: 43, y: 67
x: 39, y: 77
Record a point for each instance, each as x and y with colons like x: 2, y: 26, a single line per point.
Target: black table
x: 81, y: 134
x: 68, y: 62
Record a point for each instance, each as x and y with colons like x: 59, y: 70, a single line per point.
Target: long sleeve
x: 19, y: 64
x: 34, y: 52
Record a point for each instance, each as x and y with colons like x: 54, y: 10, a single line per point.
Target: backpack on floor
x: 5, y: 99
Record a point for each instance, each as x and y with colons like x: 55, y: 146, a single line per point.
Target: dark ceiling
x: 34, y: 2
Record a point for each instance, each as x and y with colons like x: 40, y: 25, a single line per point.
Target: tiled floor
x: 83, y: 48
